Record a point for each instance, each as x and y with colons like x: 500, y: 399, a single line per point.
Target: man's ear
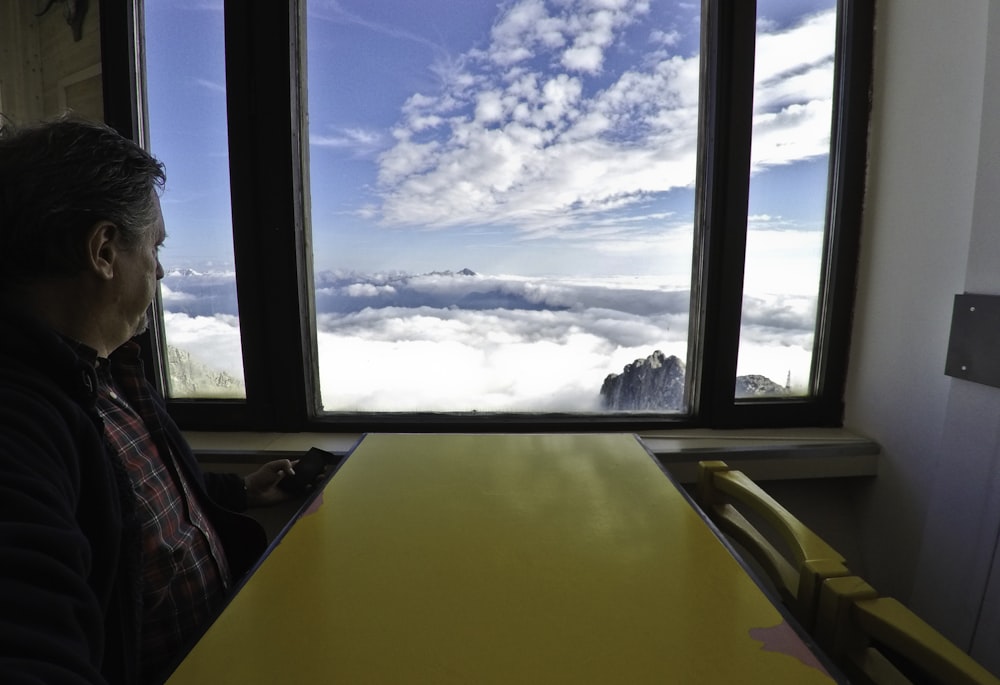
x: 102, y: 249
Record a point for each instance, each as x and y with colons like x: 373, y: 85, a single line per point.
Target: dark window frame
x: 268, y: 145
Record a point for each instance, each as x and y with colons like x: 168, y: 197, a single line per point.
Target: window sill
x: 761, y: 454
x: 768, y: 454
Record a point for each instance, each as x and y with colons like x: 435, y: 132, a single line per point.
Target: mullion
x: 852, y: 84
x: 728, y: 40
x: 266, y: 228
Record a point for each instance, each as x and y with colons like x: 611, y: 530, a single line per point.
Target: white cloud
x: 521, y: 25
x: 457, y: 360
x: 369, y: 290
x: 489, y: 106
x: 428, y: 359
x: 360, y: 141
x: 584, y: 57
x: 170, y: 298
x: 456, y: 342
x: 213, y: 86
x: 782, y: 261
x: 666, y: 38
x: 780, y: 361
x: 334, y: 11
x: 548, y: 161
x: 809, y: 43
x: 211, y: 340
x: 523, y: 135
x: 793, y: 98
x: 794, y: 133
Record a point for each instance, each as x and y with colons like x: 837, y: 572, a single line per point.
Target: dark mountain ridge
x: 656, y: 383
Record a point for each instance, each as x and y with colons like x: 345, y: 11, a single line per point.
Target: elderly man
x: 115, y: 549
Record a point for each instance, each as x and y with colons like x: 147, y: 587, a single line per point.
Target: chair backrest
x: 798, y: 571
x: 879, y: 641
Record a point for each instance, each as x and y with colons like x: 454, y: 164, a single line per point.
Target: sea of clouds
x: 454, y: 341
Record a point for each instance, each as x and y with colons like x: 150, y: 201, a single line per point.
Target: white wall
x: 931, y: 230
x: 928, y: 90
x: 957, y: 585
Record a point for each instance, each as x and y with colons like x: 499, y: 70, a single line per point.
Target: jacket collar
x: 33, y: 345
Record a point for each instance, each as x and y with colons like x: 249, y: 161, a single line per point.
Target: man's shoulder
x: 39, y: 370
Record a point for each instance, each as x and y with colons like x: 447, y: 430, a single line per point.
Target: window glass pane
x: 186, y: 100
x: 793, y: 99
x: 502, y: 203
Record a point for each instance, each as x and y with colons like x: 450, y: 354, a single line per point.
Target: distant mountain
x: 656, y: 383
x: 756, y: 386
x: 463, y: 272
x: 348, y: 292
x: 198, y: 293
x: 191, y: 378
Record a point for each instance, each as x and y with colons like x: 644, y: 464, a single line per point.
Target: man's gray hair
x: 59, y: 178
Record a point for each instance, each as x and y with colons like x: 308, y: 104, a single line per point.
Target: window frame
x: 266, y: 77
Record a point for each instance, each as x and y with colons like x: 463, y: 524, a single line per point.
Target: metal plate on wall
x: 974, y: 343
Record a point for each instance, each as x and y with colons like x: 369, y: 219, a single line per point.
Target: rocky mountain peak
x: 656, y: 383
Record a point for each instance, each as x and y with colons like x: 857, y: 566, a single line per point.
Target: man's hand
x: 262, y: 484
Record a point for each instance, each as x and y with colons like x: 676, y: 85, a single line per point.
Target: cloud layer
x: 535, y: 131
x: 468, y: 342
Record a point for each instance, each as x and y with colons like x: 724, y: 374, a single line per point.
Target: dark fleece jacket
x: 70, y: 552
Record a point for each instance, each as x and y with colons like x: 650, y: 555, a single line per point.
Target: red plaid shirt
x: 185, y: 575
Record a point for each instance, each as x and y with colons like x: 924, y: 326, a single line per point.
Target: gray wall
x: 929, y: 522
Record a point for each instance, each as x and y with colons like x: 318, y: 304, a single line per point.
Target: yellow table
x: 506, y: 559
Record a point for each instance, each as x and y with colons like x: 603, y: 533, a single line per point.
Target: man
x: 115, y: 549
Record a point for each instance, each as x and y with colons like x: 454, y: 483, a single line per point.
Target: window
x: 507, y: 218
x: 481, y: 218
x: 185, y: 80
x: 789, y: 176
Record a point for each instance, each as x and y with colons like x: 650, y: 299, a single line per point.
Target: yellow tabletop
x: 500, y: 559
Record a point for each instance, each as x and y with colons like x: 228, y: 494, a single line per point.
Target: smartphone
x: 307, y: 470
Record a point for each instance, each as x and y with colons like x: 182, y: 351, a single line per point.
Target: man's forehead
x: 159, y: 228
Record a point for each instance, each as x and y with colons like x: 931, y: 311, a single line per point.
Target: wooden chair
x: 878, y: 641
x: 800, y: 570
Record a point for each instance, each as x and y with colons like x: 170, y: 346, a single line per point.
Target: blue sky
x: 421, y: 162
x: 444, y: 163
